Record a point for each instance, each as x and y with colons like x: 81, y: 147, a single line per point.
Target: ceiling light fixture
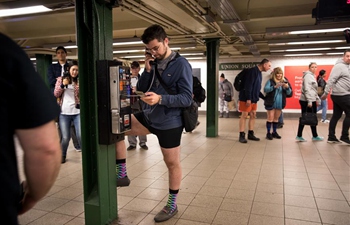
x: 303, y: 54
x: 308, y: 42
x: 306, y: 49
x: 317, y: 31
x: 23, y: 10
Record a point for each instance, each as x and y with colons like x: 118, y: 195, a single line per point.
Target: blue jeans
x: 65, y: 124
x: 324, y: 107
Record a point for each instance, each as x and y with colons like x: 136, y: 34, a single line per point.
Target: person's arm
x: 58, y: 88
x: 42, y: 160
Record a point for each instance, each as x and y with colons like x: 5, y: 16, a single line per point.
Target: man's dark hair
x: 264, y: 61
x: 347, y: 50
x: 61, y: 47
x: 322, y: 72
x: 153, y: 32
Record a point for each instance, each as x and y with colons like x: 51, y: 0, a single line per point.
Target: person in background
x: 54, y: 71
x: 308, y: 101
x: 27, y: 111
x: 67, y: 91
x: 339, y: 83
x: 162, y: 113
x: 320, y: 90
x: 276, y: 89
x: 225, y: 88
x: 248, y: 98
x: 135, y: 107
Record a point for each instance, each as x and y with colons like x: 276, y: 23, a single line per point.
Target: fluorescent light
x: 318, y: 31
x: 335, y: 53
x: 32, y: 59
x: 133, y: 56
x: 23, y: 10
x: 126, y: 51
x: 343, y: 48
x: 308, y: 42
x: 307, y: 49
x: 198, y: 53
x: 128, y: 43
x: 304, y: 54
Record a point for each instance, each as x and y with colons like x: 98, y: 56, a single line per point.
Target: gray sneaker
x: 123, y: 182
x: 165, y: 214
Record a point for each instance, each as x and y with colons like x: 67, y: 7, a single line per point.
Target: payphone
x: 114, y: 110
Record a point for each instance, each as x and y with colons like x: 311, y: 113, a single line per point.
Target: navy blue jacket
x: 54, y: 71
x: 252, y: 85
x: 178, y: 78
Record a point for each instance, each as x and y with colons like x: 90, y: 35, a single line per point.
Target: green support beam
x: 42, y: 64
x: 212, y: 85
x: 94, y: 38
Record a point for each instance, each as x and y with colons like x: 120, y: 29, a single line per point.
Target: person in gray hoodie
x: 225, y: 88
x: 309, y: 100
x: 339, y: 83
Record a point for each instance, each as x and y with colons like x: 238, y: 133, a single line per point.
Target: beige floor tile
x: 50, y: 203
x: 184, y: 198
x: 267, y: 209
x: 199, y: 214
x: 328, y: 194
x: 131, y: 191
x: 217, y: 182
x: 123, y: 200
x: 265, y: 220
x: 247, y: 195
x: 68, y: 193
x: 53, y: 219
x: 300, y: 213
x: 300, y: 191
x: 189, y: 222
x: 337, y: 218
x: 244, y: 185
x: 153, y: 194
x: 324, y: 184
x: 300, y: 201
x: 195, y: 180
x: 295, y: 174
x: 272, y: 188
x: 160, y: 184
x: 231, y: 218
x: 213, y: 191
x: 333, y: 205
x: 30, y: 216
x: 129, y: 217
x: 268, y: 197
x: 300, y: 222
x: 71, y: 208
x: 236, y: 205
x: 201, y: 173
x: 76, y: 221
x: 207, y: 201
x: 141, y: 205
x: 297, y: 182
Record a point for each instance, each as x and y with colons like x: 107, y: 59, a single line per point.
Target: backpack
x: 199, y: 94
x: 239, y: 80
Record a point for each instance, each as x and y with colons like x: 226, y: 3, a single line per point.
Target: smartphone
x: 149, y: 54
x: 140, y: 93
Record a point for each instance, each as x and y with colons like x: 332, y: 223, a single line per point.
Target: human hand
x: 27, y: 202
x: 151, y: 98
x: 248, y: 103
x: 65, y: 81
x: 309, y: 105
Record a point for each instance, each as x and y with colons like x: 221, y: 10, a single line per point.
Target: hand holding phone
x: 140, y: 93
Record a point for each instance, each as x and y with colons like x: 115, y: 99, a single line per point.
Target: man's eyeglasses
x: 154, y: 49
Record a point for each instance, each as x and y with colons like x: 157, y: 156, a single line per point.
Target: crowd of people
x: 158, y: 112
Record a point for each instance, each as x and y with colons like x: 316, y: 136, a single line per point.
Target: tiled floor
x: 278, y: 182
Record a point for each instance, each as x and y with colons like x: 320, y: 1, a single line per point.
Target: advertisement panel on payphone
x: 120, y: 99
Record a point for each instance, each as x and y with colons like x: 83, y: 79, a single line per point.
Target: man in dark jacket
x: 249, y: 97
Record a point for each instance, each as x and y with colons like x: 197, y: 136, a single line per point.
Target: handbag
x: 189, y: 114
x: 308, y: 118
x: 227, y: 98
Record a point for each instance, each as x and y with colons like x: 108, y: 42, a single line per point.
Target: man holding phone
x: 162, y: 111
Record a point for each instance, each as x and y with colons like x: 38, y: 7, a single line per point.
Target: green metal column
x: 42, y: 64
x: 94, y: 38
x: 212, y: 85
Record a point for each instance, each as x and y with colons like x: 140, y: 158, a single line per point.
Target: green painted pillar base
x: 212, y: 85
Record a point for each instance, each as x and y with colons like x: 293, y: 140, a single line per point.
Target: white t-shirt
x: 68, y: 104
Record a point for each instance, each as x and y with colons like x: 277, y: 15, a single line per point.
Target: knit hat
x: 222, y: 75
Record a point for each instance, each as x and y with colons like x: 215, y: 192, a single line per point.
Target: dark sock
x: 172, y: 198
x: 120, y: 168
x: 274, y: 125
x: 268, y: 126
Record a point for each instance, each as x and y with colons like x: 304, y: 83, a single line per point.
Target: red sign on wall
x: 295, y: 76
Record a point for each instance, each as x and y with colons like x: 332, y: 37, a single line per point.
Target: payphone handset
x: 120, y: 90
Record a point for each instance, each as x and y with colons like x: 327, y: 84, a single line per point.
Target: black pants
x: 304, y: 108
x: 340, y: 104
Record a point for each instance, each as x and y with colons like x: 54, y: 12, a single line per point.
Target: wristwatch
x: 160, y: 100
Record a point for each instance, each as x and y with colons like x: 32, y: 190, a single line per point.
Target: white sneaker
x: 325, y: 121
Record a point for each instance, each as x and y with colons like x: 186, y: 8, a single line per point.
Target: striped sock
x: 172, y: 199
x: 120, y: 168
